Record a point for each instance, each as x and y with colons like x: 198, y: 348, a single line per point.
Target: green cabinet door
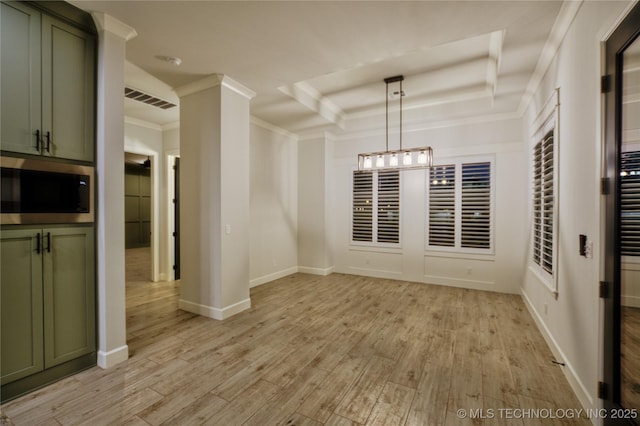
x: 47, y: 84
x: 67, y: 90
x: 21, y: 350
x: 69, y: 294
x: 20, y: 92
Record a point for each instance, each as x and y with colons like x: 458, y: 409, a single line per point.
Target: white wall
x: 501, y: 271
x: 273, y: 203
x: 147, y: 139
x: 571, y: 322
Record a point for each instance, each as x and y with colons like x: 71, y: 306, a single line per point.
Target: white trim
x: 113, y: 357
x: 308, y: 96
x: 569, y: 372
x: 315, y: 271
x: 109, y: 24
x: 618, y: 21
x: 322, y: 134
x: 240, y: 89
x: 215, y: 313
x: 273, y: 276
x: 630, y: 301
x: 561, y: 26
x: 207, y: 82
x: 488, y: 118
x: 171, y: 126
x: 142, y: 123
x: 271, y: 127
x: 211, y: 81
x: 377, y: 273
x: 458, y: 282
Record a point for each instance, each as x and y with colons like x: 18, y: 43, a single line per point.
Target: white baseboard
x: 271, y: 277
x: 115, y: 356
x: 630, y: 301
x: 315, y: 271
x: 460, y: 282
x: 215, y: 313
x: 570, y: 373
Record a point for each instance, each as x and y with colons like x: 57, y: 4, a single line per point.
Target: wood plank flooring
x: 335, y: 350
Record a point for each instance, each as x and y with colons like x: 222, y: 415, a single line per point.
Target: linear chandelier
x: 400, y: 159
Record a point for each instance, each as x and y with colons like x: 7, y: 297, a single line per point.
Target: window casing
x: 460, y: 206
x: 376, y: 208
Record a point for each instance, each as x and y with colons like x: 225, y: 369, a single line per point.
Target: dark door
x: 137, y: 205
x: 621, y: 387
x: 176, y: 223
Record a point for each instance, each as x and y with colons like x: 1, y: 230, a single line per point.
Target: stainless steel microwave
x: 37, y: 191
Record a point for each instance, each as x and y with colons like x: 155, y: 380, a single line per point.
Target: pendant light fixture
x: 402, y: 158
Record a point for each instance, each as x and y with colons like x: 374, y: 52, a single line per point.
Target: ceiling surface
x: 320, y: 65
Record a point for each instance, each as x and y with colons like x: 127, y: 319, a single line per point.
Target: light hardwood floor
x: 630, y: 359
x: 336, y: 350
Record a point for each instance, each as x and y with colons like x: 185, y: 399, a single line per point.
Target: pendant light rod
x: 401, y: 159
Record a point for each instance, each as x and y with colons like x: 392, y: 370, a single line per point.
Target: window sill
x: 545, y: 279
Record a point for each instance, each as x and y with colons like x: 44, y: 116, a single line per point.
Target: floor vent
x: 146, y: 98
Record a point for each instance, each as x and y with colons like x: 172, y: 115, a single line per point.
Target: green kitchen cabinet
x: 47, y: 78
x: 48, y: 298
x: 21, y: 328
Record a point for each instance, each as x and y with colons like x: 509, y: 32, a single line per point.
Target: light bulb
x: 380, y: 161
x: 422, y: 157
x: 367, y: 162
x: 393, y: 161
x: 407, y: 159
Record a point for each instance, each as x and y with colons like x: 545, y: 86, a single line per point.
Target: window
x: 376, y: 207
x: 460, y: 207
x: 630, y: 203
x: 543, y: 202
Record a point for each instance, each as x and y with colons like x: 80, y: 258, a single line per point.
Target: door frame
x: 626, y: 32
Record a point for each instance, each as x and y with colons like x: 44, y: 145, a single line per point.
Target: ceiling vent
x: 146, y: 98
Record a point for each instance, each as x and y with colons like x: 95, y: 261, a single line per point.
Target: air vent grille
x: 146, y: 98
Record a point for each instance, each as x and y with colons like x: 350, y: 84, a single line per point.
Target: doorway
x: 621, y: 289
x: 138, y: 218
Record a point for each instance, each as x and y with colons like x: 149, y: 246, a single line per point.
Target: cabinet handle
x: 38, y: 243
x: 38, y: 140
x: 48, y: 242
x: 48, y: 137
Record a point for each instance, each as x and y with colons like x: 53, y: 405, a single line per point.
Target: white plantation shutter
x: 362, y: 227
x: 476, y: 205
x: 376, y: 207
x: 442, y: 206
x: 543, y: 202
x: 630, y: 203
x: 388, y: 207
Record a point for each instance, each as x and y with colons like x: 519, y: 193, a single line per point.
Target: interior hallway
x: 316, y: 350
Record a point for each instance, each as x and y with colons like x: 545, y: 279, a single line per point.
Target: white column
x: 315, y: 251
x: 112, y: 332
x: 214, y: 197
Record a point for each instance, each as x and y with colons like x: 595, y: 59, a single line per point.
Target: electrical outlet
x: 469, y: 271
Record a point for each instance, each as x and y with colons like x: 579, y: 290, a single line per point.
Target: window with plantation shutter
x: 362, y: 227
x: 376, y: 208
x: 442, y: 206
x: 476, y: 205
x: 460, y: 207
x: 543, y: 202
x: 630, y: 203
x: 388, y: 207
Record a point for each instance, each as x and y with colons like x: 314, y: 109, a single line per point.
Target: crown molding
x: 109, y: 24
x: 310, y: 97
x: 171, y: 126
x: 142, y: 123
x: 214, y: 80
x: 272, y: 128
x: 565, y: 18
